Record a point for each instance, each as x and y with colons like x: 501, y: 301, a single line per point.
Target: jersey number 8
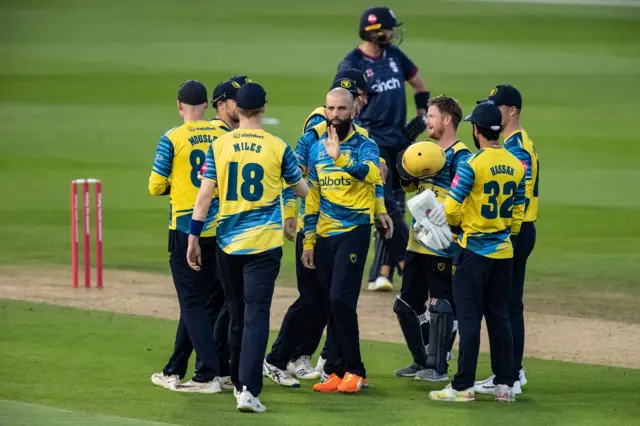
x: 492, y: 188
x: 196, y: 159
x: 251, y: 188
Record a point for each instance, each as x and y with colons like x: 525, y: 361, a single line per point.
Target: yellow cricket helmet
x: 421, y: 160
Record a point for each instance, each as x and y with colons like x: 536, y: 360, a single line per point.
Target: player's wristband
x: 422, y: 100
x: 196, y: 227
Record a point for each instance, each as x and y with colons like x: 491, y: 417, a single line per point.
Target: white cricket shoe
x: 280, y: 377
x: 504, y: 393
x: 320, y: 365
x: 167, y: 382
x: 199, y: 387
x: 302, y: 368
x: 517, y: 388
x: 522, y: 377
x: 380, y: 284
x: 450, y: 394
x: 248, y: 403
x: 485, y: 386
x: 226, y: 383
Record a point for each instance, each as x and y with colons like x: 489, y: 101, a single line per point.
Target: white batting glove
x: 437, y: 216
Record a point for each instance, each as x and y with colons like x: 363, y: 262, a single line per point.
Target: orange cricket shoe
x: 351, y: 383
x: 330, y: 385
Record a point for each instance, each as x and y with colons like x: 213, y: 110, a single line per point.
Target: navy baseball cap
x: 241, y: 79
x: 225, y: 90
x: 487, y: 116
x: 347, y: 84
x: 251, y: 96
x: 505, y: 94
x: 357, y: 76
x: 192, y: 92
x: 378, y: 18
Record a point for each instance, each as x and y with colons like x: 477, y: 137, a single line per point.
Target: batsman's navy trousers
x: 524, y: 247
x: 340, y: 261
x: 302, y: 325
x: 395, y: 246
x: 248, y: 281
x: 201, y: 301
x: 482, y: 285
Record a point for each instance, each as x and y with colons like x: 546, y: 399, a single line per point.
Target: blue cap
x: 487, y: 116
x: 357, y: 76
x: 225, y: 90
x: 192, y: 92
x: 347, y: 84
x: 505, y: 94
x: 251, y: 96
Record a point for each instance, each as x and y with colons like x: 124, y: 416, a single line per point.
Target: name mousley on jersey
x: 383, y: 86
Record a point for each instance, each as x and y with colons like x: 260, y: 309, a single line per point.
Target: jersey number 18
x: 251, y: 188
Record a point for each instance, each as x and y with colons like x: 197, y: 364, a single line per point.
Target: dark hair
x: 490, y: 135
x: 449, y: 106
x: 249, y: 113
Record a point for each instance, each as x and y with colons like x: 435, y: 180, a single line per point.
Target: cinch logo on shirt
x: 383, y: 86
x: 329, y: 181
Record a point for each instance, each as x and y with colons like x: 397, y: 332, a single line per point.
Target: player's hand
x: 307, y: 259
x: 290, y: 228
x: 384, y: 224
x: 194, y: 255
x: 384, y: 172
x: 332, y: 143
x: 437, y: 216
x: 415, y: 127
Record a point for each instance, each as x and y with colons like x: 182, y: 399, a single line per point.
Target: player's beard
x: 342, y: 126
x: 436, y: 133
x: 476, y: 141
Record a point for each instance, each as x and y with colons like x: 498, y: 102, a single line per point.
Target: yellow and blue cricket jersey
x: 486, y: 201
x: 317, y: 116
x: 519, y: 144
x: 440, y: 184
x: 180, y: 154
x: 343, y: 193
x: 305, y: 143
x: 221, y: 124
x: 248, y: 167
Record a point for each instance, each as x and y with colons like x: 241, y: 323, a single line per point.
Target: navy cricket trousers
x: 524, y: 247
x: 302, y: 325
x: 201, y: 301
x: 248, y: 281
x: 340, y: 261
x: 482, y: 286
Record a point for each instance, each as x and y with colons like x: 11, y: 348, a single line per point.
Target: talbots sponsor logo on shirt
x: 384, y: 86
x: 329, y: 181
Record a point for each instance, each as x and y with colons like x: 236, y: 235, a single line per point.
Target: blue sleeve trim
x: 164, y: 157
x: 290, y: 171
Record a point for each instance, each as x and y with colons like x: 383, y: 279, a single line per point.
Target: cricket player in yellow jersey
x: 304, y: 321
x: 427, y: 271
x: 516, y: 140
x: 247, y: 166
x: 486, y: 204
x: 344, y: 177
x: 180, y: 153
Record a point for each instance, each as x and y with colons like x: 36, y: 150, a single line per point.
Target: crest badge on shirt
x: 393, y: 65
x: 369, y: 73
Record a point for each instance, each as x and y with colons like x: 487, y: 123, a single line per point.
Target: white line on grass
x: 605, y: 3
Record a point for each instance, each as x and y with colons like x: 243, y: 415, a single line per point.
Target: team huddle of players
x: 233, y: 189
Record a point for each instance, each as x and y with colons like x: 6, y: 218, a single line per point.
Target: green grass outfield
x: 101, y: 363
x: 87, y: 88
